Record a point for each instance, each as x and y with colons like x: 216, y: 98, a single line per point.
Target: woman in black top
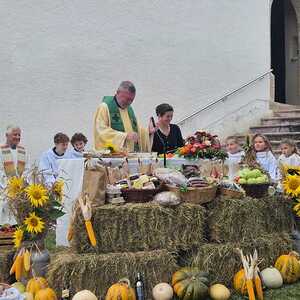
x: 166, y: 132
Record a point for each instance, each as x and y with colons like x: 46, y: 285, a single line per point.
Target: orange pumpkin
x: 45, y: 294
x: 121, y: 291
x: 239, y: 282
x: 35, y: 284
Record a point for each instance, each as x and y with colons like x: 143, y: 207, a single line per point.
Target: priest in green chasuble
x: 115, y: 122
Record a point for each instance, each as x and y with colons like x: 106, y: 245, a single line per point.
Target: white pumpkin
x: 84, y: 295
x: 162, y: 291
x: 27, y: 296
x: 219, y: 292
x: 271, y: 278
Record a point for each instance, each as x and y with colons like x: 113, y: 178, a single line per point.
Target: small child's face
x: 259, y: 144
x: 61, y: 147
x: 232, y: 146
x: 79, y: 146
x: 286, y: 150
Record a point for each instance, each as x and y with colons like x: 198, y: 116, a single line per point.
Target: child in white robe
x: 235, y: 155
x: 48, y: 161
x: 289, y: 154
x: 264, y: 156
x: 78, y: 142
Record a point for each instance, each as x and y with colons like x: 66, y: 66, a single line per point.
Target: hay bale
x: 98, y: 272
x: 141, y: 227
x: 6, y: 260
x: 222, y: 261
x: 235, y: 220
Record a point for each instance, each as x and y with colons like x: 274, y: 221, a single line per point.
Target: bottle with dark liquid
x: 139, y: 287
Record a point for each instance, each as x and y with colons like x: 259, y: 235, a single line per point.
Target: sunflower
x: 291, y: 185
x: 58, y: 189
x: 37, y: 194
x: 34, y: 224
x: 296, y: 207
x: 15, y: 186
x: 110, y: 146
x: 18, y: 237
x: 290, y: 170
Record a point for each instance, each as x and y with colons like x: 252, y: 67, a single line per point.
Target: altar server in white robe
x: 48, y: 161
x: 289, y: 154
x: 265, y: 156
x: 13, y: 162
x: 78, y: 142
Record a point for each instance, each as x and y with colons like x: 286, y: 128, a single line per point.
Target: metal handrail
x: 224, y: 97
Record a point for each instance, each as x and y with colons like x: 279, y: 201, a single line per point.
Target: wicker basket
x: 6, y: 240
x: 231, y: 193
x: 256, y: 190
x: 195, y: 195
x: 141, y: 195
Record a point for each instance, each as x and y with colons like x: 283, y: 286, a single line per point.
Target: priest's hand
x: 132, y: 136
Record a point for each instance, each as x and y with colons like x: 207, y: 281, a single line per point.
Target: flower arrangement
x: 35, y: 205
x: 202, y: 145
x: 291, y: 186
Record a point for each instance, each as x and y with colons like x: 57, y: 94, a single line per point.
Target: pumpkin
x: 190, y: 284
x: 239, y: 282
x: 27, y: 296
x: 162, y: 291
x: 45, y: 294
x: 84, y: 295
x: 121, y: 291
x: 271, y: 278
x: 35, y: 284
x: 219, y: 292
x: 289, y: 267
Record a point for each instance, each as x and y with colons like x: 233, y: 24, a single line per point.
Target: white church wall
x: 58, y: 58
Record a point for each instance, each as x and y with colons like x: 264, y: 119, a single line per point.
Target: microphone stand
x: 164, y: 148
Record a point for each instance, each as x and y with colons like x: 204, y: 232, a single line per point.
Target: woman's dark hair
x: 161, y: 109
x: 78, y: 137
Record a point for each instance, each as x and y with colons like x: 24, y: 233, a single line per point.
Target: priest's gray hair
x: 127, y: 86
x: 11, y: 127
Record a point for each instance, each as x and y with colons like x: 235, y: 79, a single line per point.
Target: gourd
x: 19, y: 286
x: 219, y: 292
x: 289, y: 267
x: 239, y: 282
x: 162, y: 291
x: 27, y: 296
x: 190, y: 284
x: 35, y: 284
x: 84, y: 295
x: 271, y: 278
x: 45, y: 294
x: 121, y: 291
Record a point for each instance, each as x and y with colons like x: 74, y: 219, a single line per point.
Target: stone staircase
x: 285, y: 123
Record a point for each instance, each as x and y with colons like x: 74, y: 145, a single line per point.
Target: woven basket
x: 195, y: 195
x: 256, y: 190
x: 231, y: 193
x: 141, y: 195
x: 6, y: 240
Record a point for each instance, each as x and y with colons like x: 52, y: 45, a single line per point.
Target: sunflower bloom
x: 18, y: 237
x: 37, y: 194
x: 291, y: 185
x: 291, y: 170
x: 15, y: 187
x: 296, y: 207
x: 34, y: 224
x: 110, y: 146
x: 58, y: 189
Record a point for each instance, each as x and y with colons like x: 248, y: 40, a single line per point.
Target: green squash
x: 190, y: 284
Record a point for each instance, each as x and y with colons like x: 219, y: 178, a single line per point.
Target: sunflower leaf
x: 55, y: 213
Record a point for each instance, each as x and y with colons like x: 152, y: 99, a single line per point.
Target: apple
x: 251, y: 181
x: 255, y: 173
x: 260, y: 180
x: 19, y: 286
x: 242, y: 181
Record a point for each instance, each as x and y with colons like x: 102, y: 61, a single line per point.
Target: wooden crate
x: 6, y: 240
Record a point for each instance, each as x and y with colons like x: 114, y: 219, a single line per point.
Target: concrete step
x: 279, y: 136
x: 287, y: 113
x: 276, y: 144
x: 281, y: 121
x: 275, y: 128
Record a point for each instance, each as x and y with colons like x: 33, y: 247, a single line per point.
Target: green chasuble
x: 115, y: 117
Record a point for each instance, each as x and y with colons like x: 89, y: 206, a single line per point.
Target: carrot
x: 250, y: 289
x: 90, y: 231
x: 258, y: 287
